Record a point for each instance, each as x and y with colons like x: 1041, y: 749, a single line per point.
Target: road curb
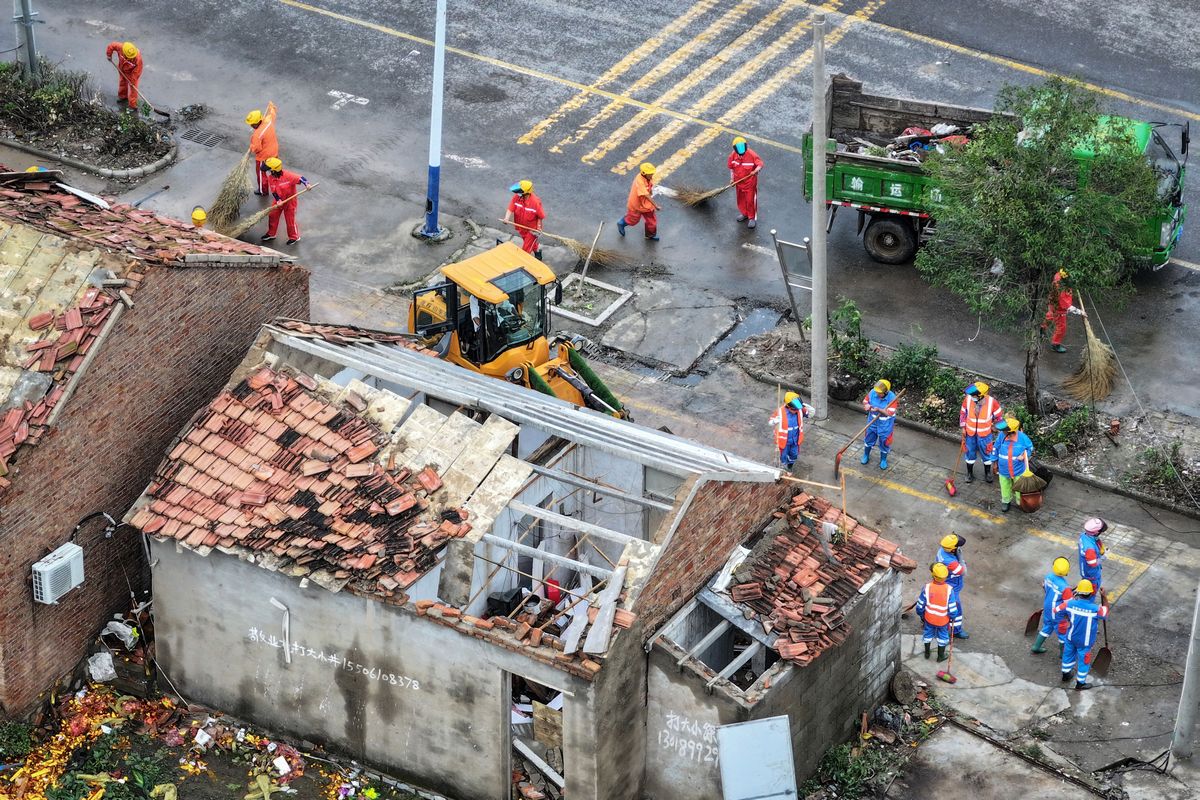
x: 1097, y: 483
x: 104, y: 172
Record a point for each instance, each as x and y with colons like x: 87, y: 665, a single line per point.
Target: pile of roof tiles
x: 60, y: 352
x: 142, y: 234
x: 796, y: 591
x: 272, y: 468
x: 348, y: 334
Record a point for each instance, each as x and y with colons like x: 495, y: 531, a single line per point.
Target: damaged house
x: 116, y: 324
x: 493, y: 593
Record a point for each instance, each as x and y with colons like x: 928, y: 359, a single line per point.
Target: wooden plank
x: 547, y: 725
x: 601, y: 630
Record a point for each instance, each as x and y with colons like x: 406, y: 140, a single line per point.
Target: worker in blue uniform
x: 1055, y: 589
x: 1092, y: 551
x: 789, y: 428
x: 1079, y: 620
x: 880, y: 405
x: 950, y: 554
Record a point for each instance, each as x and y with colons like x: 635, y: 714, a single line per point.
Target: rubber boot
x: 621, y: 226
x: 1066, y: 676
x: 883, y: 461
x: 866, y: 456
x: 942, y: 653
x: 961, y: 635
x: 1058, y: 348
x: 970, y: 473
x: 1039, y: 644
x: 1081, y: 686
x: 927, y: 646
x: 1005, y: 507
x: 538, y: 254
x: 987, y: 472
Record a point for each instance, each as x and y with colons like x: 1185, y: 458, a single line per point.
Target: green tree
x: 1018, y: 204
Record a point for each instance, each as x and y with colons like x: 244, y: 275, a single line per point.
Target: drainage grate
x: 206, y: 138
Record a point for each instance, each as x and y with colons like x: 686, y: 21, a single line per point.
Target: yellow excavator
x: 500, y: 326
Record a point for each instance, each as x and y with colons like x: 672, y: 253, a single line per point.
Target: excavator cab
x: 491, y: 314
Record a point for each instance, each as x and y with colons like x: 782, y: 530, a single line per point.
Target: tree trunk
x: 1031, y: 377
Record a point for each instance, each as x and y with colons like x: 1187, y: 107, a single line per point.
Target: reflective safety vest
x: 980, y: 415
x: 782, y: 420
x: 937, y: 604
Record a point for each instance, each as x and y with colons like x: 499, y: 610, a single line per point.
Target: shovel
x: 1034, y: 622
x: 1103, y: 658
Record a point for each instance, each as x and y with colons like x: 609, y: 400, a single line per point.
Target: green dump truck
x: 893, y: 197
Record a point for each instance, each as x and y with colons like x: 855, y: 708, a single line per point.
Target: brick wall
x: 165, y: 358
x: 721, y: 515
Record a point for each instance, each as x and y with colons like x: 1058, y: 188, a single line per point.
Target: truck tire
x: 890, y: 241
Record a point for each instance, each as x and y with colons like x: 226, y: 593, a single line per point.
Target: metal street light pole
x: 1183, y: 743
x: 26, y: 20
x: 432, y: 230
x: 820, y: 316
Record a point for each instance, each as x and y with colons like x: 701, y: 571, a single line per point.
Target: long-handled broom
x: 951, y: 489
x: 946, y: 674
x: 693, y: 196
x: 249, y: 222
x: 235, y: 189
x: 605, y: 258
x: 837, y: 459
x: 1096, y: 374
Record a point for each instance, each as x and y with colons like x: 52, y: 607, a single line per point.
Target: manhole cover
x: 201, y: 137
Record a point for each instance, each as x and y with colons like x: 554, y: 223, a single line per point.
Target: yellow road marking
x: 748, y: 71
x: 1019, y: 66
x: 1136, y: 567
x: 764, y: 90
x: 521, y: 69
x: 620, y: 68
x: 953, y: 505
x: 721, y: 25
x: 702, y: 73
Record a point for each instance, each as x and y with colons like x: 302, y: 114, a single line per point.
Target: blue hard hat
x: 971, y: 389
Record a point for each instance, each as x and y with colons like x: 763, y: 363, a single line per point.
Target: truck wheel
x: 890, y: 241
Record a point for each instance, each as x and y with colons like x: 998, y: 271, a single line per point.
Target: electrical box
x: 58, y: 573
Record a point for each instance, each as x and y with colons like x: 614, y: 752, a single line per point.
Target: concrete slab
x: 953, y: 763
x: 671, y: 324
x: 986, y: 689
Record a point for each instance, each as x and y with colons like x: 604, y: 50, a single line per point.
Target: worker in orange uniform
x: 641, y: 203
x: 264, y: 144
x: 744, y: 166
x: 283, y: 186
x: 1062, y: 302
x: 937, y: 608
x: 978, y: 417
x: 129, y: 64
x: 525, y: 212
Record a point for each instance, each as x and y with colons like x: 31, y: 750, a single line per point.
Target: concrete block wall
x: 166, y: 357
x: 721, y: 515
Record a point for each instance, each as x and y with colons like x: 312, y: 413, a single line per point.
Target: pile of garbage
x: 913, y: 145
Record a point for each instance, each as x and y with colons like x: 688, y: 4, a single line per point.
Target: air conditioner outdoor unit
x: 58, y: 573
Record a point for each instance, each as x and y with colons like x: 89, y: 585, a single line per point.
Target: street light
x: 432, y: 230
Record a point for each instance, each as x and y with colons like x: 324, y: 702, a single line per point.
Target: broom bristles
x: 235, y: 189
x: 601, y: 256
x: 1096, y: 374
x: 695, y: 195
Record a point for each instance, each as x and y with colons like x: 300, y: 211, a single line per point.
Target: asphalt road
x: 670, y: 82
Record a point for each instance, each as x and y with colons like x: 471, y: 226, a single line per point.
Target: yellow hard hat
x: 738, y: 140
x: 274, y: 164
x: 939, y: 571
x: 34, y: 168
x: 1085, y: 587
x: 199, y: 215
x: 885, y: 383
x: 254, y: 117
x: 982, y: 387
x: 129, y: 50
x: 949, y: 541
x: 1061, y: 566
x: 788, y: 397
x: 647, y: 168
x: 524, y: 187
x: 1014, y: 424
x: 1062, y: 273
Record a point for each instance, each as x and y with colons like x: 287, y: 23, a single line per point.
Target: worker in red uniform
x: 1062, y: 302
x: 744, y: 166
x: 129, y: 64
x: 283, y: 186
x: 264, y: 144
x: 525, y: 212
x: 641, y: 203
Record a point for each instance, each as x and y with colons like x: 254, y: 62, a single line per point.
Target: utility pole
x: 26, y: 21
x: 432, y: 230
x: 820, y: 314
x: 1183, y: 745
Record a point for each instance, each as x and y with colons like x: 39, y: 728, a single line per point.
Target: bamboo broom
x: 611, y: 259
x: 249, y: 222
x: 235, y: 189
x: 1096, y: 374
x: 693, y: 196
